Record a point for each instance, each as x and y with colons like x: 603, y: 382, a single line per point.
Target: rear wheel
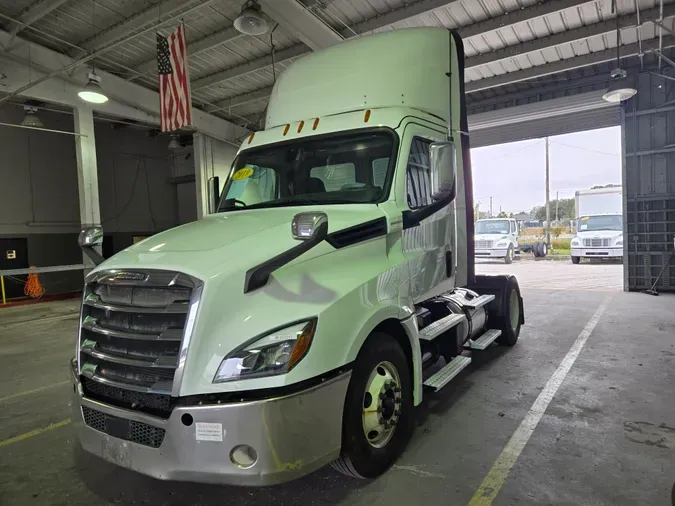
x: 535, y: 249
x: 378, y: 416
x: 576, y: 260
x: 509, y: 255
x: 543, y: 249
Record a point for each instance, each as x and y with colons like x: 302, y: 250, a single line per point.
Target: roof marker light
x: 366, y: 116
x: 301, y: 126
x: 286, y: 128
x: 316, y: 124
x: 250, y: 137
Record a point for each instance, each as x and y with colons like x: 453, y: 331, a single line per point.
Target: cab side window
x: 418, y: 174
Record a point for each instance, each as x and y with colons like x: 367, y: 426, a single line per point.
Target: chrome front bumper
x: 292, y: 436
x: 491, y: 253
x: 597, y: 252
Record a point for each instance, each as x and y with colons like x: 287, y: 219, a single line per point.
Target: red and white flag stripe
x: 174, y: 81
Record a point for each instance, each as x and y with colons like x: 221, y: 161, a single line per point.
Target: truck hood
x: 490, y: 237
x: 220, y: 249
x: 599, y: 234
x: 232, y: 241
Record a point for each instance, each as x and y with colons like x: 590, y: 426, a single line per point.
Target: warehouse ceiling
x: 514, y: 48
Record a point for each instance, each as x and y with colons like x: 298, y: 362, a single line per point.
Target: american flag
x: 175, y: 103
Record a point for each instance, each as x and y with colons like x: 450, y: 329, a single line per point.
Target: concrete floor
x: 606, y: 438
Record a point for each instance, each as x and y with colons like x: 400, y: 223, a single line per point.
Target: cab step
x: 479, y: 301
x: 447, y: 373
x: 437, y: 328
x: 485, y: 340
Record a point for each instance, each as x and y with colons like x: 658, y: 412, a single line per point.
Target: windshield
x: 492, y: 227
x: 345, y: 169
x: 605, y: 222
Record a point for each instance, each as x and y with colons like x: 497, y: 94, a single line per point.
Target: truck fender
x: 389, y: 315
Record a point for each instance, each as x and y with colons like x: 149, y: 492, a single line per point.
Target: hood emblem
x: 123, y: 276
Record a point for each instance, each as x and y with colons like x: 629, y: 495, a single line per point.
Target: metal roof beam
x: 627, y: 51
x: 127, y: 99
x: 194, y: 48
x: 400, y: 14
x: 142, y: 19
x: 33, y: 13
x: 297, y: 18
x: 567, y: 36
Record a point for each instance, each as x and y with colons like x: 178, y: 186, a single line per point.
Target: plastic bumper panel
x: 292, y: 436
x: 491, y: 253
x: 597, y: 252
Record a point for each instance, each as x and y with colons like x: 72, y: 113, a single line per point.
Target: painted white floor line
x: 494, y: 480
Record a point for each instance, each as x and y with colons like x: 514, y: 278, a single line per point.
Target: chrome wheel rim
x: 514, y: 309
x: 381, y: 404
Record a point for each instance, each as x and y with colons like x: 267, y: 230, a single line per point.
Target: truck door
x: 430, y: 246
x: 514, y: 233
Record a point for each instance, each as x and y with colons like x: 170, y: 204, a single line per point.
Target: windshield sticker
x: 583, y: 227
x: 242, y: 174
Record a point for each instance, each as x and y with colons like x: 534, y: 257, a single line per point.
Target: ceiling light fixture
x: 92, y: 91
x: 30, y: 118
x: 620, y: 87
x: 174, y: 143
x: 250, y: 20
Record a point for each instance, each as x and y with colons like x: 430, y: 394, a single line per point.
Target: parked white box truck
x: 296, y: 325
x: 599, y: 224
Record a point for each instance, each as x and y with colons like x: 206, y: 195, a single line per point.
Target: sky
x: 514, y: 174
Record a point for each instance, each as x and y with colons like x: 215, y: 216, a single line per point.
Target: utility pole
x: 491, y: 207
x: 548, y: 198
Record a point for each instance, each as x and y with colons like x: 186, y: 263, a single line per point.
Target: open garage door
x: 583, y: 111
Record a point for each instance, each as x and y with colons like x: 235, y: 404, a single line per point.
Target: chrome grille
x: 483, y: 244
x: 136, y: 432
x: 132, y: 330
x: 596, y: 243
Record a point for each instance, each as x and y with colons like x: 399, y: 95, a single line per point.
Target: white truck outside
x: 296, y: 325
x: 496, y: 238
x: 599, y: 224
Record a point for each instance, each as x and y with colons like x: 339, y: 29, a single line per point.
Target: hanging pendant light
x: 250, y: 20
x: 30, y: 118
x: 174, y: 143
x: 620, y: 87
x: 92, y: 91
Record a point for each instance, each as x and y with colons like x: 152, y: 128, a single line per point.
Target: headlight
x: 502, y: 244
x: 575, y: 242
x: 619, y: 241
x: 276, y: 353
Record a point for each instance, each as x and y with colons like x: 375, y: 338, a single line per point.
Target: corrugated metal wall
x: 648, y: 129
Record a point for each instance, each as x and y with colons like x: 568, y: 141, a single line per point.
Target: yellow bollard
x: 2, y: 289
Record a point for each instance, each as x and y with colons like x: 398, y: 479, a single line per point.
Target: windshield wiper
x: 229, y: 204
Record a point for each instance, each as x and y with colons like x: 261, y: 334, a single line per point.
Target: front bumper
x: 491, y: 253
x: 597, y: 252
x: 292, y: 435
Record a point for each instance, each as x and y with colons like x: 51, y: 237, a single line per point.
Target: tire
x: 576, y: 260
x: 511, y: 313
x: 362, y: 457
x: 543, y: 250
x: 535, y: 249
x: 509, y: 255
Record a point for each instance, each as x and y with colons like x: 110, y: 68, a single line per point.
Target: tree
x: 566, y: 210
x: 502, y: 214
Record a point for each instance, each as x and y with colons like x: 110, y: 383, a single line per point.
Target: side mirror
x: 442, y: 156
x: 89, y: 238
x: 311, y: 225
x: 213, y: 190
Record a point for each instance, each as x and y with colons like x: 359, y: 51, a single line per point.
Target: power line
x: 586, y: 149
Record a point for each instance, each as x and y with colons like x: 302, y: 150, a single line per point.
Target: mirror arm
x: 258, y: 276
x: 93, y: 255
x: 413, y: 218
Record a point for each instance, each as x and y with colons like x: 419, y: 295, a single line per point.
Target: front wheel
x: 378, y: 419
x: 575, y: 260
x: 509, y: 255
